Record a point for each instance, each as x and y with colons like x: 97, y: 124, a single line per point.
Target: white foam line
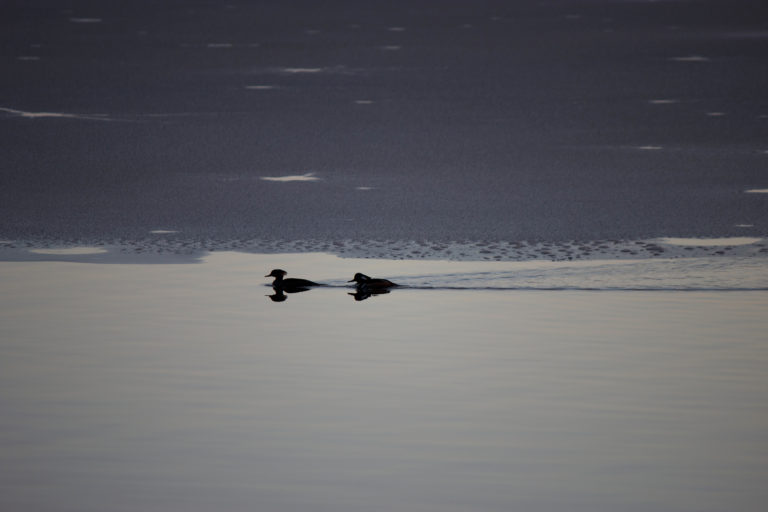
x: 757, y: 191
x: 364, y: 188
x: 61, y: 115
x: 650, y: 148
x: 162, y: 231
x: 219, y: 45
x: 85, y: 20
x: 390, y: 47
x: 260, y: 87
x: 364, y: 102
x: 310, y: 176
x: 663, y: 101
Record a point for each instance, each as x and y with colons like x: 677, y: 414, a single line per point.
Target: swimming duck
x: 371, y: 283
x: 290, y: 284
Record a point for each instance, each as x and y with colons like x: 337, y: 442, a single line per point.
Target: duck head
x: 277, y: 273
x: 359, y: 278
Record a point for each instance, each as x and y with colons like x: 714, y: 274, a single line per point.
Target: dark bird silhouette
x: 363, y: 282
x: 291, y: 284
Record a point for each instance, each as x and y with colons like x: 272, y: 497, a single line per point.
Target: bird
x: 291, y: 284
x: 363, y: 282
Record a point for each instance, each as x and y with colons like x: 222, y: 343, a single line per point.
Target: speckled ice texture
x: 428, y: 129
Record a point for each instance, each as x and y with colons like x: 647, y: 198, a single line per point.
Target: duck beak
x: 351, y: 281
x: 268, y: 275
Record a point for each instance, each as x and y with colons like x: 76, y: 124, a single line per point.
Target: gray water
x: 184, y: 387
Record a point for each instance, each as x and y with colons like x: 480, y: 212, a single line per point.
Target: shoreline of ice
x: 170, y: 248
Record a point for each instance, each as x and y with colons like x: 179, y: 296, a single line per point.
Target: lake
x: 162, y: 387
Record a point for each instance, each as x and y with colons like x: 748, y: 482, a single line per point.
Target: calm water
x: 183, y: 387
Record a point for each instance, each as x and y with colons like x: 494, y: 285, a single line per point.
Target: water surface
x: 184, y: 387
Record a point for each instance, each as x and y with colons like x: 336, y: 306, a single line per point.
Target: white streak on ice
x: 37, y: 115
x: 301, y: 70
x: 310, y: 176
x: 690, y: 58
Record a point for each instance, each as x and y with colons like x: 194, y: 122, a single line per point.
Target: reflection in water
x: 279, y: 295
x: 362, y: 293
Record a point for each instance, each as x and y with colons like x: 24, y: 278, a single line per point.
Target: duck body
x: 290, y: 284
x: 364, y: 282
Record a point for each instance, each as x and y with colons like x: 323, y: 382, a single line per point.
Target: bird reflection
x: 278, y: 296
x: 280, y: 293
x: 364, y: 294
